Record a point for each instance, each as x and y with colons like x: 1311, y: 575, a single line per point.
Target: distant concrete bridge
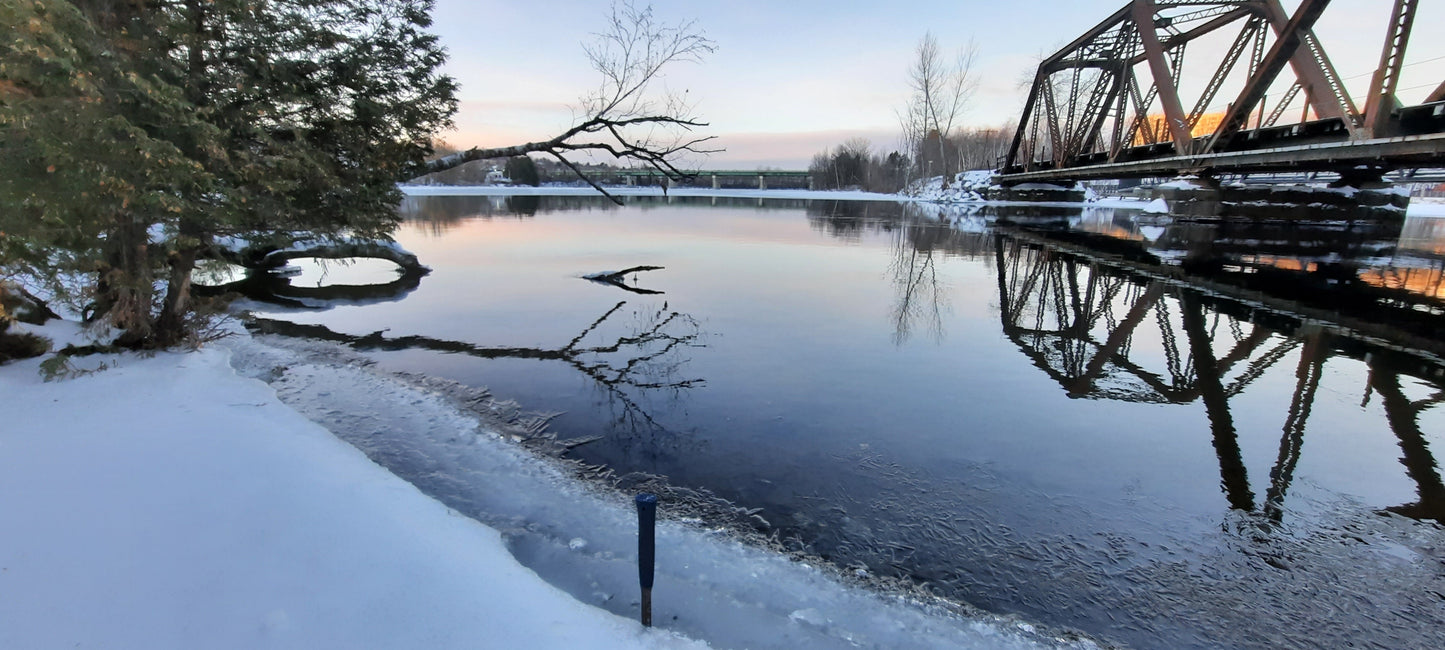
x: 719, y: 179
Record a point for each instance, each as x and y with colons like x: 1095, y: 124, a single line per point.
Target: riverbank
x: 176, y: 501
x: 927, y: 193
x: 168, y: 502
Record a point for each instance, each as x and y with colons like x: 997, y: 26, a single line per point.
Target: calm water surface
x: 1164, y: 435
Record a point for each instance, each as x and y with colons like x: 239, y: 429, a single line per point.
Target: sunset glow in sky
x: 793, y: 78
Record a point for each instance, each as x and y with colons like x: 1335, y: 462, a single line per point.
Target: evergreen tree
x: 523, y: 171
x: 137, y: 133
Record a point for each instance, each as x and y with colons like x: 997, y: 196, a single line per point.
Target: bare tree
x: 940, y: 93
x: 623, y: 117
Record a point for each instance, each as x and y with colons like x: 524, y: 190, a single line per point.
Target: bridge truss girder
x: 1097, y: 94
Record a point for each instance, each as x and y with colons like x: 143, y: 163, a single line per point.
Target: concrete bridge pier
x: 715, y: 184
x: 811, y: 184
x: 1050, y: 192
x: 631, y: 180
x: 1358, y: 194
x: 762, y: 182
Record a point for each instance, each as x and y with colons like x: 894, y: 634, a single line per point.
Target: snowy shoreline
x: 176, y: 501
x: 1431, y: 208
x: 168, y: 502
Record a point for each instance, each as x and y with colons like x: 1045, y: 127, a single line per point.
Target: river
x: 1160, y: 434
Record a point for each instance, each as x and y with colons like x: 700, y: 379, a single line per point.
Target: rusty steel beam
x: 1116, y: 88
x: 1051, y: 104
x: 1315, y: 72
x: 1029, y: 107
x: 1204, y: 30
x: 1102, y: 28
x: 1283, y: 105
x: 1290, y: 40
x: 1438, y: 95
x: 1127, y: 83
x: 1408, y: 151
x: 1143, y: 14
x: 1226, y: 66
x: 1380, y: 106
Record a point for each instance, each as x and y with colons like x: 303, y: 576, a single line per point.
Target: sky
x: 790, y: 79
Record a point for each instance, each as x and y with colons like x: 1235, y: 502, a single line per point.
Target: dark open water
x: 1165, y: 435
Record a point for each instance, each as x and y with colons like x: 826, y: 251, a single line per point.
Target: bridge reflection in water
x: 1114, y: 321
x: 980, y: 479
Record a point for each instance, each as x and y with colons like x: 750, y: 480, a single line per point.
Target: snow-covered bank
x: 553, y: 190
x: 169, y: 503
x: 969, y: 188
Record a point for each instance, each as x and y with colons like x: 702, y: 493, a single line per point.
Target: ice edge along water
x: 167, y: 502
x: 172, y: 502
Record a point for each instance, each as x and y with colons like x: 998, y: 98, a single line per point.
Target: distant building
x: 1156, y: 128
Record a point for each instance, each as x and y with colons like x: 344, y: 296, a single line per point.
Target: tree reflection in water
x: 648, y: 359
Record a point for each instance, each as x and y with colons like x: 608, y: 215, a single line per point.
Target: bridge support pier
x: 1361, y: 194
x: 762, y: 182
x: 1051, y: 192
x: 631, y: 180
x: 715, y: 184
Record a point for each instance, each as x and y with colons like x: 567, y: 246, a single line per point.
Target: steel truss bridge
x: 1109, y: 105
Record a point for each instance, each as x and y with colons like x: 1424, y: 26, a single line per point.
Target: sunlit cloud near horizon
x: 793, y: 79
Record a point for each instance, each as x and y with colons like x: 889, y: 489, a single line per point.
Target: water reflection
x: 626, y: 360
x: 1104, y: 329
x: 919, y: 240
x: 1143, y: 429
x: 278, y: 289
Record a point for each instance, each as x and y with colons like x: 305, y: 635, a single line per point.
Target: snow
x: 177, y: 501
x: 970, y: 187
x: 1185, y: 183
x: 169, y: 503
x: 1157, y: 206
x: 967, y: 187
x: 555, y: 190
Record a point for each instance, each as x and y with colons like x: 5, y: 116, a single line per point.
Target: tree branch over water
x: 622, y: 118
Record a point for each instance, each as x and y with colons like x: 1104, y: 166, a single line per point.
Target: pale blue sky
x: 793, y: 78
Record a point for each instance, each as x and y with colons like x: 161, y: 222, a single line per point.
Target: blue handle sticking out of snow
x: 646, y: 550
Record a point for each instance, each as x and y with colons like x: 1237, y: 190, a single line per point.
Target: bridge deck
x: 1408, y: 151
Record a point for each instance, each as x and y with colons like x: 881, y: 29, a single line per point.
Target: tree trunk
x: 171, y: 326
x: 124, y: 291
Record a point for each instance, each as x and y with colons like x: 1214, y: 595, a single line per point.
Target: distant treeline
x: 853, y: 164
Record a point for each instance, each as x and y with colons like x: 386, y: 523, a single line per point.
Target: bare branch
x: 941, y: 92
x: 635, y: 123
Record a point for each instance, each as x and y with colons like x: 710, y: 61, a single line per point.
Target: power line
x: 1366, y: 74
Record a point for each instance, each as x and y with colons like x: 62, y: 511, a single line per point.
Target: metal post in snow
x: 646, y: 550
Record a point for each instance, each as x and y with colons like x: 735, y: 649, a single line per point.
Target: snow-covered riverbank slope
x: 173, y: 502
x: 170, y: 503
x: 969, y: 190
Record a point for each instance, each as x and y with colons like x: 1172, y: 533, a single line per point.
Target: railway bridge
x: 1113, y: 103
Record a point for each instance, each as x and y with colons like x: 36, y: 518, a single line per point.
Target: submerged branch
x: 618, y: 279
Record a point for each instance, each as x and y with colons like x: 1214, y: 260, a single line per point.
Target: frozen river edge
x: 173, y: 502
x: 462, y: 449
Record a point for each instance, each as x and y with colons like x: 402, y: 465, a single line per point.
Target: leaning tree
x: 139, y: 136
